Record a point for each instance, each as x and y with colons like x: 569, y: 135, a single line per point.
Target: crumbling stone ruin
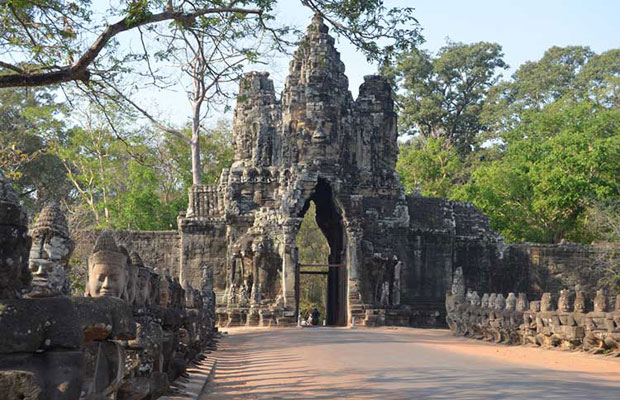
x: 135, y: 330
x: 563, y: 324
x: 391, y: 255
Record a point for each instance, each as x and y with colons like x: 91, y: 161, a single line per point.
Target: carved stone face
x: 580, y: 303
x: 535, y: 306
x: 545, y: 302
x: 475, y: 299
x: 132, y: 284
x: 107, y: 279
x: 484, y: 302
x: 49, y: 256
x: 511, y: 302
x: 600, y: 302
x: 522, y: 304
x: 143, y: 287
x: 564, y: 301
x: 458, y: 283
x: 492, y: 298
x: 107, y: 269
x: 500, y: 302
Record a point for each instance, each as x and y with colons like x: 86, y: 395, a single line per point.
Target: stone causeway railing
x: 568, y: 323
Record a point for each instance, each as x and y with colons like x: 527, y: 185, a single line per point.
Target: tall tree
x: 556, y: 164
x: 572, y: 72
x: 48, y: 42
x: 443, y: 95
x: 29, y: 119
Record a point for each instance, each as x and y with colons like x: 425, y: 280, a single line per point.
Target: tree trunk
x: 196, y: 172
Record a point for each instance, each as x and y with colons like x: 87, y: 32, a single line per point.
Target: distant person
x: 315, y: 316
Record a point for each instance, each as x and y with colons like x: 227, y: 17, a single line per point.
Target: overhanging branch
x: 78, y: 71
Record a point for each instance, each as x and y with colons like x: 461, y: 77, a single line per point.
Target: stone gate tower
x: 316, y: 143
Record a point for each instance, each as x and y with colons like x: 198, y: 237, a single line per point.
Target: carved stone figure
x: 107, y: 269
x: 458, y: 284
x: 496, y: 317
x: 50, y: 252
x: 546, y: 321
x: 529, y: 326
x: 596, y: 325
x: 612, y: 340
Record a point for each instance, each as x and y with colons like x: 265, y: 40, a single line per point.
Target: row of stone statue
x: 135, y: 330
x: 514, y: 320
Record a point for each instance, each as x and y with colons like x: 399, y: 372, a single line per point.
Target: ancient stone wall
x: 552, y: 267
x: 157, y: 248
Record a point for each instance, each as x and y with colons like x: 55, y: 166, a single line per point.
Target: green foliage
x: 428, y: 165
x: 552, y: 154
x: 572, y: 72
x: 443, y: 95
x: 28, y: 119
x: 556, y: 164
x: 139, y: 182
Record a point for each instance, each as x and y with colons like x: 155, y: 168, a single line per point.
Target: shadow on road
x: 273, y: 364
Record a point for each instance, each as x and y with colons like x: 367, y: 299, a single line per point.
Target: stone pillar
x: 289, y: 262
x: 354, y: 304
x: 257, y: 283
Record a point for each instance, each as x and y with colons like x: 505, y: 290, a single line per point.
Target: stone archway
x: 330, y: 221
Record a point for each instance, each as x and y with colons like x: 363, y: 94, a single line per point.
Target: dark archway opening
x: 329, y: 221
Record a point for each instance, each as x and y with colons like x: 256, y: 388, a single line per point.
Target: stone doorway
x: 329, y: 220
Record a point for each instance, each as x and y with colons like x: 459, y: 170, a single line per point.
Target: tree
x: 50, y: 42
x: 443, y: 96
x: 572, y: 72
x: 556, y: 163
x: 29, y: 118
x: 428, y: 166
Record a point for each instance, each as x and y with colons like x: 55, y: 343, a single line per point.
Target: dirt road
x: 400, y: 363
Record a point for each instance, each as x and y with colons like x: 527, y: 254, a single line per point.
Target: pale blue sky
x: 525, y: 29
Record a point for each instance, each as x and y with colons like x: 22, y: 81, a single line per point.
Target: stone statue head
x: 14, y: 243
x: 468, y: 296
x: 564, y: 301
x: 580, y: 302
x: 546, y: 302
x: 107, y: 269
x: 50, y: 253
x: 500, y: 302
x: 511, y: 302
x: 132, y: 276
x: 143, y: 287
x: 458, y: 284
x: 475, y: 299
x: 522, y: 304
x: 492, y: 298
x: 535, y: 306
x: 600, y: 301
x: 484, y: 302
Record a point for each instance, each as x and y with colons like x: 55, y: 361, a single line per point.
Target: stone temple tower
x: 391, y: 255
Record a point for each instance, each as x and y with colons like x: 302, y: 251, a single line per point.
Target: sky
x: 524, y: 29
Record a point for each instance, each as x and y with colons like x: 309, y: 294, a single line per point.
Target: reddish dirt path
x: 400, y: 363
